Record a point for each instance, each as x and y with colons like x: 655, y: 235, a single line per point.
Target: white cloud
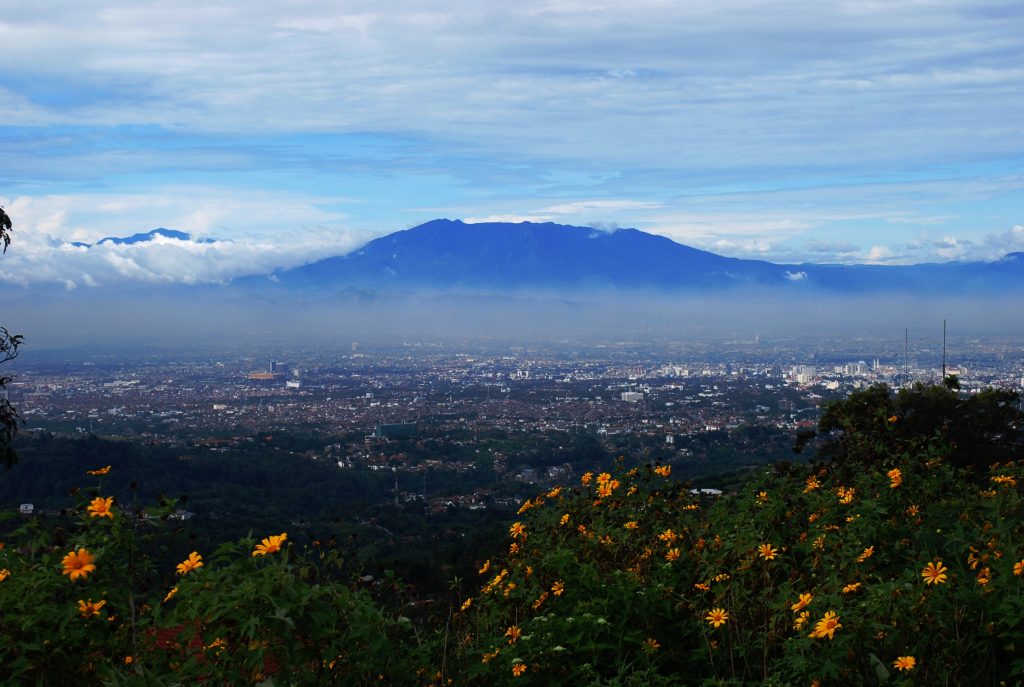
x: 796, y: 276
x: 881, y: 254
x: 279, y: 231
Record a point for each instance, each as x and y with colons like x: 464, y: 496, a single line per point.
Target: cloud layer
x: 790, y: 130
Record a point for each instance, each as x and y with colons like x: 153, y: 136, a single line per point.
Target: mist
x: 203, y: 316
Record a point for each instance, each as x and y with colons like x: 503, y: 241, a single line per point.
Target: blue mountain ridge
x: 452, y: 255
x: 143, y: 238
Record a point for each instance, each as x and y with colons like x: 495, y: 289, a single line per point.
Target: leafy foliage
x: 874, y: 423
x: 8, y: 351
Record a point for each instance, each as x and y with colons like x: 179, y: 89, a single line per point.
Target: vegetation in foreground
x: 895, y: 566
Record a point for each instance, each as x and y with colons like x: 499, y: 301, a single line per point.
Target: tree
x: 8, y: 351
x: 873, y: 424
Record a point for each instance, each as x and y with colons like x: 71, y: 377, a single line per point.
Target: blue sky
x: 839, y: 131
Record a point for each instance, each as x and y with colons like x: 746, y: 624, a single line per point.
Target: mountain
x: 143, y: 238
x: 451, y: 255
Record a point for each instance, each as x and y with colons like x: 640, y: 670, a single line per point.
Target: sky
x: 837, y: 131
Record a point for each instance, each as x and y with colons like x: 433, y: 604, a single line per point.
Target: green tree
x: 875, y: 423
x: 8, y: 351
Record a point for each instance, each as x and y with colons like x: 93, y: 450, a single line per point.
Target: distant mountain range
x: 143, y: 238
x: 451, y: 255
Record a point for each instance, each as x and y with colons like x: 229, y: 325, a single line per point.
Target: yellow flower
x: 513, y: 633
x: 868, y: 552
x: 466, y: 604
x: 934, y: 573
x: 827, y: 626
x: 4, y: 574
x: 912, y: 510
x: 1018, y: 567
x: 605, y: 489
x: 128, y: 660
x: 668, y: 536
x: 564, y: 520
x: 767, y: 552
x: 171, y: 594
x: 984, y: 577
x: 527, y: 505
x: 540, y: 600
x: 78, y: 564
x: 557, y: 588
x: 271, y: 544
x: 100, y: 471
x: 1004, y: 480
x: 716, y: 617
x: 631, y: 525
x: 651, y: 645
x: 802, y: 603
x: 671, y: 555
x: 193, y: 561
x: 100, y: 507
x: 812, y: 484
x: 845, y: 494
x: 518, y: 669
x: 801, y: 619
x: 663, y: 470
x: 893, y: 419
x: 490, y: 655
x: 895, y: 477
x: 517, y: 530
x: 587, y: 476
x: 553, y: 494
x: 762, y: 497
x: 904, y: 663
x: 90, y: 609
x: 851, y: 588
x: 604, y: 478
x: 513, y: 548
x: 485, y: 567
x: 703, y: 586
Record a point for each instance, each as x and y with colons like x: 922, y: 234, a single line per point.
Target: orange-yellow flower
x: 663, y: 470
x: 4, y: 574
x: 651, y: 645
x: 513, y: 633
x: 845, y: 494
x: 1018, y: 567
x: 100, y: 471
x: 631, y: 525
x: 716, y: 617
x: 762, y: 497
x: 564, y: 520
x: 671, y: 555
x: 668, y: 536
x: 985, y: 576
x: 517, y: 530
x: 851, y: 588
x: 801, y: 619
x: 827, y: 626
x: 557, y: 588
x: 518, y: 669
x: 767, y: 552
x: 553, y: 494
x: 934, y: 573
x: 912, y: 510
x: 100, y: 507
x: 868, y: 552
x: 485, y: 567
x: 193, y: 561
x: 904, y: 663
x: 271, y: 544
x: 171, y: 594
x: 605, y: 489
x: 895, y: 477
x: 90, y: 609
x: 466, y: 604
x: 812, y: 484
x: 585, y: 479
x: 78, y: 563
x: 1005, y: 480
x: 803, y: 602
